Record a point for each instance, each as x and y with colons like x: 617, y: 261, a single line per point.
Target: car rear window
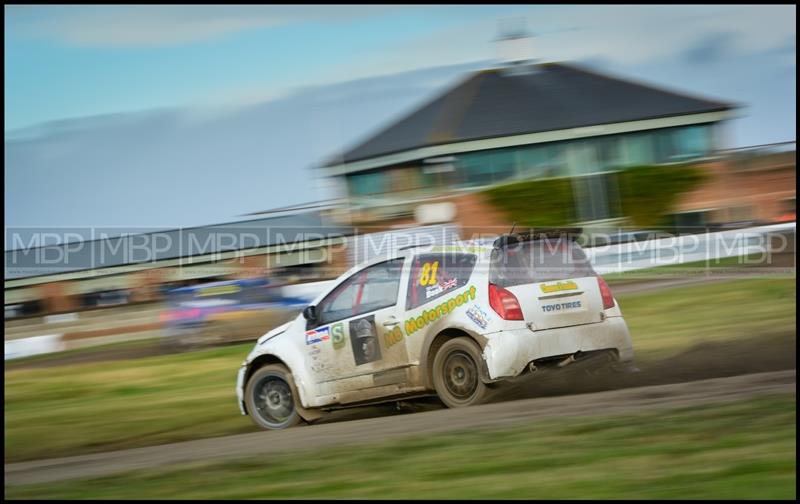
x: 434, y: 275
x: 538, y: 261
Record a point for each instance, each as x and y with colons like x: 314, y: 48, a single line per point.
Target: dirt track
x: 311, y: 437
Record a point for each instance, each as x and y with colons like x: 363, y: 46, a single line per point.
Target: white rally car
x: 451, y: 320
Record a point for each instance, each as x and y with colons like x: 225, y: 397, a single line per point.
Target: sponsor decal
x: 314, y: 350
x: 318, y: 335
x: 429, y: 316
x: 437, y: 289
x: 433, y: 291
x: 477, y: 315
x: 561, y: 306
x: 337, y: 336
x: 393, y: 337
x: 558, y: 287
x: 364, y: 340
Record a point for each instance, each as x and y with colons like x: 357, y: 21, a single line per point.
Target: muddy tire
x: 456, y: 373
x: 271, y: 398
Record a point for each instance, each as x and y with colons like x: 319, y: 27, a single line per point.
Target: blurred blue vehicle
x: 226, y: 311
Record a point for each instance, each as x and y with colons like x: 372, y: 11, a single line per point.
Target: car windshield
x: 538, y: 261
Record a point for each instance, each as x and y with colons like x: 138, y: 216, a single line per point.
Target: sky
x: 165, y: 116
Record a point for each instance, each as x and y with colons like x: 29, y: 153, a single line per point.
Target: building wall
x: 477, y: 216
x: 57, y: 297
x: 757, y: 193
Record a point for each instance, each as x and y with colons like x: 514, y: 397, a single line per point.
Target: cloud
x: 711, y: 48
x: 623, y: 34
x: 160, y: 25
x: 179, y: 167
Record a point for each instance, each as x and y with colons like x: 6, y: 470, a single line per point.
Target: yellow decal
x: 429, y: 316
x: 219, y: 290
x: 559, y: 286
x: 428, y: 276
x: 393, y: 336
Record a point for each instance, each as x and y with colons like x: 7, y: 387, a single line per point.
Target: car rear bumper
x: 507, y: 353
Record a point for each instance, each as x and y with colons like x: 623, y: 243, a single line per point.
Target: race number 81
x: 428, y: 276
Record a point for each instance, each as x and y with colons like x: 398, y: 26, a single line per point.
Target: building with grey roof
x: 529, y: 121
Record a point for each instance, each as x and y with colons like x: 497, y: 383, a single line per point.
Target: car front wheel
x: 456, y: 373
x: 271, y: 398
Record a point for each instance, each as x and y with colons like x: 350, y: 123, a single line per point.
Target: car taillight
x: 605, y: 291
x: 504, y: 303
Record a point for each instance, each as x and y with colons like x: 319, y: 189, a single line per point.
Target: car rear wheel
x: 270, y: 397
x: 456, y: 373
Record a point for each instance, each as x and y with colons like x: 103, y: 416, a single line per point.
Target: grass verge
x: 734, y: 451
x: 93, y: 407
x: 669, y: 321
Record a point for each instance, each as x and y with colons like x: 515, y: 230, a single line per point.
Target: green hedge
x: 535, y: 203
x: 647, y: 194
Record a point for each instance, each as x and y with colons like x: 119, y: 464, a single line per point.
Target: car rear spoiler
x: 534, y: 234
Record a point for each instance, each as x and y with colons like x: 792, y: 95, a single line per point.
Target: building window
x: 543, y: 160
x: 486, y: 167
x: 639, y: 149
x: 364, y: 184
x: 504, y: 164
x: 694, y: 141
x: 475, y: 169
x: 406, y: 179
x: 669, y: 145
x: 582, y: 157
x: 609, y: 152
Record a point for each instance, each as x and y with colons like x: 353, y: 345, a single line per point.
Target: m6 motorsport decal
x: 318, y: 335
x: 429, y: 316
x: 364, y: 339
x: 337, y: 333
x: 479, y: 316
x: 392, y: 337
x: 558, y: 287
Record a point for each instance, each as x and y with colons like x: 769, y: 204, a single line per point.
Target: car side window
x: 368, y: 290
x: 434, y: 275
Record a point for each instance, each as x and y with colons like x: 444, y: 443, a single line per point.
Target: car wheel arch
x: 261, y: 361
x: 266, y: 359
x: 435, y: 341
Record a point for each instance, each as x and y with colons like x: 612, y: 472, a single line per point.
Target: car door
x: 356, y: 343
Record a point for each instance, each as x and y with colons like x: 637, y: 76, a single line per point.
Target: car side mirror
x: 310, y: 313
